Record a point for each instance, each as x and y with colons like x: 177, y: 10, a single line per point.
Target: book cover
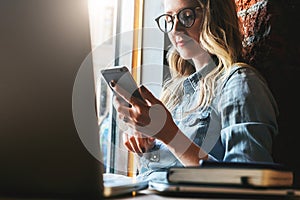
x: 233, y: 173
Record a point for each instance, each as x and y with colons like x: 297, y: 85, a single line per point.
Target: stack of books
x: 233, y: 173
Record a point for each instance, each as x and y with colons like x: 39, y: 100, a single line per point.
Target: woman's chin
x: 189, y: 51
x: 185, y: 54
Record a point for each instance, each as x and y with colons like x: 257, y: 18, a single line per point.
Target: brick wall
x: 255, y: 22
x: 269, y: 31
x: 271, y: 44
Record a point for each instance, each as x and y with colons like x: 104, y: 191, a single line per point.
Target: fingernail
x: 112, y: 84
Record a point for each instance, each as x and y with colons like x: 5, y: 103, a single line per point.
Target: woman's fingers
x: 128, y: 97
x: 138, y: 143
x: 127, y: 143
x: 131, y: 144
x: 148, y: 96
x: 149, y: 118
x: 133, y: 116
x: 123, y: 110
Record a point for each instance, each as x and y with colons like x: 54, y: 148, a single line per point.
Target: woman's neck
x: 201, y: 60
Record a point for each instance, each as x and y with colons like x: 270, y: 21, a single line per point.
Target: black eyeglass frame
x: 193, y: 9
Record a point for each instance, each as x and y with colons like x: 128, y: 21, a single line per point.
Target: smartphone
x: 122, y: 76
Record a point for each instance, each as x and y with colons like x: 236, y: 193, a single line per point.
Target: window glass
x: 103, y: 28
x: 114, y: 39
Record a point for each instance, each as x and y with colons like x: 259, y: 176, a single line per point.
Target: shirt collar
x: 191, y: 83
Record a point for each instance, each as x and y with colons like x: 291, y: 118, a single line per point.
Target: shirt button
x: 154, y: 157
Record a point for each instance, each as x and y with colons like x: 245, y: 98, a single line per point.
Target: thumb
x: 147, y: 95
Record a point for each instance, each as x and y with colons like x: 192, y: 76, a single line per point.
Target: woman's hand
x: 137, y: 143
x: 149, y: 117
x: 152, y: 119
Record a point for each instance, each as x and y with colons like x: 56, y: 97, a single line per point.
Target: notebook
x: 45, y: 94
x: 160, y: 184
x: 256, y: 174
x: 176, y: 189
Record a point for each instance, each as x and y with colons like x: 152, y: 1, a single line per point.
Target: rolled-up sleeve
x: 248, y: 116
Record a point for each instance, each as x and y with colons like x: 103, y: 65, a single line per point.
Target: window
x: 124, y: 32
x: 102, y: 28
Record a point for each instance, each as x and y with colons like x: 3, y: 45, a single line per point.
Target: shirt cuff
x: 210, y: 158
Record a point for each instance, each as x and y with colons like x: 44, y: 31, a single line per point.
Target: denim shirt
x: 238, y: 126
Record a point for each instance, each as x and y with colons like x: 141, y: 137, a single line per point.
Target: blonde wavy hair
x: 220, y: 36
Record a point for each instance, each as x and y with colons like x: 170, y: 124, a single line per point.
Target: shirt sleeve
x: 159, y: 157
x: 248, y: 117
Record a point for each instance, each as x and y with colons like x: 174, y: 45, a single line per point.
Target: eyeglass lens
x: 186, y: 17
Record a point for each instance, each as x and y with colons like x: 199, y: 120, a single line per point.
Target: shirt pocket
x: 195, y: 126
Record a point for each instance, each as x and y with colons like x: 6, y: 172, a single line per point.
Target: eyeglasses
x: 186, y: 17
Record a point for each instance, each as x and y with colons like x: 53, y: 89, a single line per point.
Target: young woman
x: 214, y: 107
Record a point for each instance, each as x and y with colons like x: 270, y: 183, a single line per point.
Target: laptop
x: 43, y: 45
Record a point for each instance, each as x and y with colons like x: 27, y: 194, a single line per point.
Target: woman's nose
x: 177, y: 25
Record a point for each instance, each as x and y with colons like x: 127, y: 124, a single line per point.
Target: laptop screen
x: 43, y: 44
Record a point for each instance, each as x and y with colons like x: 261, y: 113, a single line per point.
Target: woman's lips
x: 181, y: 43
x: 182, y: 40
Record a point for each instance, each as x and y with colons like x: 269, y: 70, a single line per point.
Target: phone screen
x: 122, y: 76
